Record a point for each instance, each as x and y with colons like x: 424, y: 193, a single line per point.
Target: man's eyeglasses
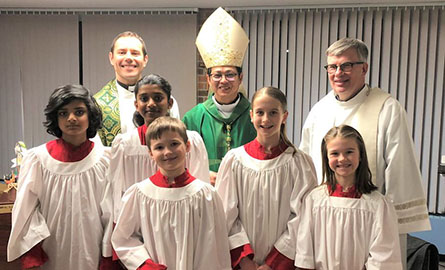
x: 218, y: 76
x: 345, y: 67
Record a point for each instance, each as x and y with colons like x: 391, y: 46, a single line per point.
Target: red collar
x: 338, y: 192
x: 180, y: 181
x: 256, y: 150
x: 65, y: 152
x: 141, y: 131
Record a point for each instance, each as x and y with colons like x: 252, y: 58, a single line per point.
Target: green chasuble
x: 220, y: 134
x: 108, y: 100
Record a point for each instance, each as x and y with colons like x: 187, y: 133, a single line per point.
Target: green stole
x: 220, y: 134
x: 108, y: 100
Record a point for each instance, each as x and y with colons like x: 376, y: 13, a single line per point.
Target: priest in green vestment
x: 223, y: 120
x: 128, y: 57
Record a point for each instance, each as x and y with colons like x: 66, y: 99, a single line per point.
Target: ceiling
x: 153, y: 4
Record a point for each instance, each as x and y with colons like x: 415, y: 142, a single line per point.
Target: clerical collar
x: 127, y: 87
x: 226, y: 109
x: 338, y: 98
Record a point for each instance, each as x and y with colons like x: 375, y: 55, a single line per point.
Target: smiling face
x: 267, y: 116
x: 169, y: 153
x: 151, y: 102
x: 73, y: 122
x: 344, y: 159
x: 128, y: 60
x: 226, y: 91
x: 347, y: 84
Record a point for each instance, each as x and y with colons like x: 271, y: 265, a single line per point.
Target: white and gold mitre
x: 222, y: 41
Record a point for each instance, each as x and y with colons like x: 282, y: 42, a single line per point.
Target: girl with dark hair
x: 61, y: 217
x: 130, y: 162
x: 262, y: 185
x: 346, y: 222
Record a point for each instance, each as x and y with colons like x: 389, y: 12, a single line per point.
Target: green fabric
x: 108, y: 100
x: 213, y: 128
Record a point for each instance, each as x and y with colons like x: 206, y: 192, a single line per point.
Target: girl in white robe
x: 262, y: 185
x: 171, y: 220
x: 347, y: 223
x: 61, y: 218
x: 130, y: 161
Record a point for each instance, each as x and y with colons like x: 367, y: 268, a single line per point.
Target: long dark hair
x: 63, y: 95
x: 276, y: 93
x: 363, y: 177
x: 152, y: 79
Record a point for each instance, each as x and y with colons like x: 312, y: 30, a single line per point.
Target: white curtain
x: 37, y: 54
x: 407, y: 59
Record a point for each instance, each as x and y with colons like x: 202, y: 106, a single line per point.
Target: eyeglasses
x: 218, y: 76
x: 345, y: 67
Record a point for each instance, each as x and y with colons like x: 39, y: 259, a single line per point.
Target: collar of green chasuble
x: 242, y: 107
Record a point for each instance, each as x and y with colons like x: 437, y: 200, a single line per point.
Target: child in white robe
x: 130, y: 161
x: 262, y: 185
x: 61, y: 218
x: 171, y: 220
x: 347, y: 223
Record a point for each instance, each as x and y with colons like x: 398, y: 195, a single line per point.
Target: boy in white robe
x: 130, y: 160
x: 171, y: 220
x: 62, y: 215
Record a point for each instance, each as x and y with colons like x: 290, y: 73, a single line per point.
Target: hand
x: 247, y: 264
x: 264, y: 267
x: 213, y: 177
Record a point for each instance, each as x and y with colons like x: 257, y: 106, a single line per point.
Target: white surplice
x: 182, y: 228
x: 131, y: 163
x: 337, y: 233
x: 67, y: 205
x: 262, y: 199
x: 398, y: 175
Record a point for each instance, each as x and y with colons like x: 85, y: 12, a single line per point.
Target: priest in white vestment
x: 382, y: 122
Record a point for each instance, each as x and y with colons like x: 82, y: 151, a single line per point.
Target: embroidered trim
x: 411, y: 204
x: 413, y: 218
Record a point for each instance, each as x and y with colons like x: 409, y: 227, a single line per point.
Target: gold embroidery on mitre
x: 222, y: 41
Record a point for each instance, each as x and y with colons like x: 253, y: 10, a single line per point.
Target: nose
x: 339, y: 70
x: 72, y: 117
x: 223, y: 78
x: 150, y: 102
x: 341, y: 157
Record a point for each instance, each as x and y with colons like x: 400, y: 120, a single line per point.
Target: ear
x: 145, y: 60
x: 285, y: 115
x: 136, y: 104
x: 251, y: 116
x: 149, y: 152
x: 208, y: 79
x: 365, y: 68
x: 241, y: 77
x: 110, y: 58
x: 187, y: 146
x: 170, y: 103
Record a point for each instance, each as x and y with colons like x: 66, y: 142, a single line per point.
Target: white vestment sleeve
x: 106, y: 206
x: 403, y: 182
x: 384, y: 250
x: 212, y: 245
x: 197, y: 160
x: 305, y: 254
x: 127, y: 236
x: 116, y: 175
x: 305, y: 182
x: 225, y: 185
x: 28, y: 225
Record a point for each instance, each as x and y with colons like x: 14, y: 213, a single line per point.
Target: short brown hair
x: 129, y: 34
x: 163, y: 124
